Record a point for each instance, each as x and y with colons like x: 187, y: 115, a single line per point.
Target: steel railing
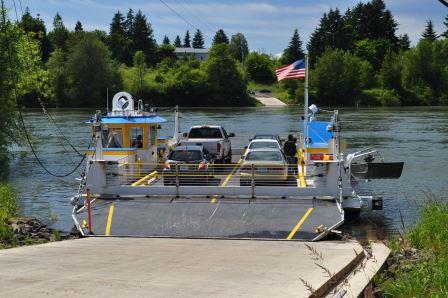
x: 200, y: 174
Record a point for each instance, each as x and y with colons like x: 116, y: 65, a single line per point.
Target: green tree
x: 140, y: 70
x: 166, y: 40
x: 294, y: 50
x: 90, y: 72
x: 390, y: 75
x: 177, y: 42
x: 238, y: 46
x: 220, y: 37
x: 39, y: 32
x: 336, y: 79
x: 128, y: 24
x: 373, y: 50
x: 445, y: 33
x: 332, y: 32
x: 78, y: 27
x: 198, y: 40
x: 59, y: 35
x: 227, y: 87
x: 118, y: 40
x: 21, y: 60
x: 429, y: 33
x: 404, y: 43
x: 187, y: 40
x: 143, y: 38
x: 373, y: 21
x: 58, y: 73
x: 260, y: 68
x: 425, y: 73
x: 166, y: 51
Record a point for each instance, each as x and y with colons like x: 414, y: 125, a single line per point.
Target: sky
x: 267, y: 25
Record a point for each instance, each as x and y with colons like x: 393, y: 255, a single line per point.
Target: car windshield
x: 270, y: 137
x: 186, y: 155
x: 205, y: 133
x: 258, y: 145
x: 264, y: 156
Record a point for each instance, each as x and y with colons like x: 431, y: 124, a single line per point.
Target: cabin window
x: 113, y: 138
x: 152, y: 135
x: 136, y: 135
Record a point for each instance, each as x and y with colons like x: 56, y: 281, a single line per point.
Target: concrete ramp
x: 285, y: 219
x: 149, y: 267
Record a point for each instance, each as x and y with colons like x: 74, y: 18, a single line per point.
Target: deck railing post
x: 89, y: 211
x: 177, y: 181
x: 253, y: 182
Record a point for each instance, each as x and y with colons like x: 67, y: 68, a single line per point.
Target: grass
x: 275, y: 89
x: 421, y: 256
x: 8, y: 209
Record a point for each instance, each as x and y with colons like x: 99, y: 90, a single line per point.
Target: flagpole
x: 305, y: 108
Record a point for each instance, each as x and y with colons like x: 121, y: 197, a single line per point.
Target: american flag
x: 293, y: 71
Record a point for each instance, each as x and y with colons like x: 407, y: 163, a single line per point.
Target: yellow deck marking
x: 140, y: 181
x: 299, y: 224
x: 214, y: 198
x: 302, y: 180
x: 109, y: 220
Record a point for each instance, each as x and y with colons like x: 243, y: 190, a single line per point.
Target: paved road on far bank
x: 267, y: 100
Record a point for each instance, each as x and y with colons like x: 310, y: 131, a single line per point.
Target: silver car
x: 265, y: 165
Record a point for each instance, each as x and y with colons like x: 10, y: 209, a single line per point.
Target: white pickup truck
x: 214, y: 138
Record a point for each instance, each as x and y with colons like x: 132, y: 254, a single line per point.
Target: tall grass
x: 422, y: 270
x: 8, y: 208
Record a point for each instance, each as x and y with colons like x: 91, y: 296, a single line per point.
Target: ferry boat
x: 122, y: 191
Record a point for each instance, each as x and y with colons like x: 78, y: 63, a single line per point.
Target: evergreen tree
x: 403, y: 42
x: 429, y: 33
x: 129, y: 22
x: 238, y: 46
x: 166, y: 40
x: 143, y: 38
x: 177, y: 42
x: 59, y: 35
x: 187, y: 40
x: 78, y: 27
x: 445, y: 34
x: 373, y: 21
x: 220, y: 37
x: 119, y: 41
x: 332, y: 32
x: 198, y: 40
x: 294, y: 50
x: 39, y: 32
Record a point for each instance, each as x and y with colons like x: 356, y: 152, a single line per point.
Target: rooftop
x: 192, y: 50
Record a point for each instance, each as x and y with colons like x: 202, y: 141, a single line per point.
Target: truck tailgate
x: 209, y: 144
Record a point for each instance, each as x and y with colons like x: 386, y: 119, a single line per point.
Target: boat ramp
x: 167, y: 267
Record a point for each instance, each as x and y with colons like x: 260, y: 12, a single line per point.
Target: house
x: 200, y: 54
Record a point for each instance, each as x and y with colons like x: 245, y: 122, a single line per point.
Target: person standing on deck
x: 290, y: 150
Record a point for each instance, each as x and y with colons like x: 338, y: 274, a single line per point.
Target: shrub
x: 383, y: 97
x: 8, y: 209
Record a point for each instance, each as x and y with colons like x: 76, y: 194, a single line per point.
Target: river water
x: 417, y: 136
